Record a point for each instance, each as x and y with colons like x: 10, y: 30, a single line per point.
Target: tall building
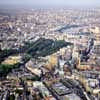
x: 96, y: 33
x: 53, y: 60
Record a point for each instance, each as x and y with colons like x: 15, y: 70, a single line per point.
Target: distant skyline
x: 52, y: 3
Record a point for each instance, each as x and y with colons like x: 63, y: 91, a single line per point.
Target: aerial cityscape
x: 50, y: 53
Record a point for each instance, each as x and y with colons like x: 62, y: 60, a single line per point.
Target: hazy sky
x: 52, y: 2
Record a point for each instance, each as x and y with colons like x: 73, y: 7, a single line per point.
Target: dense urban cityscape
x: 50, y: 54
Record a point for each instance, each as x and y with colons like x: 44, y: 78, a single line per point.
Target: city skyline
x: 49, y: 50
